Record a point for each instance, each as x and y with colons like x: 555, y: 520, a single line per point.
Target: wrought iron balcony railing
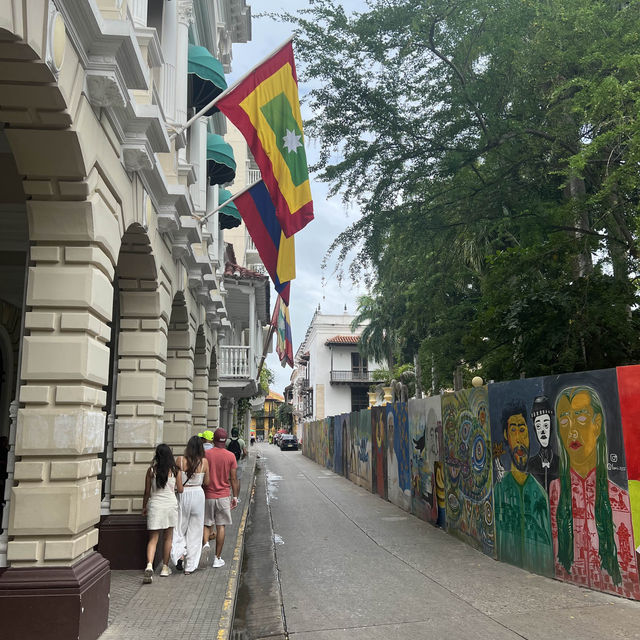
x: 351, y: 376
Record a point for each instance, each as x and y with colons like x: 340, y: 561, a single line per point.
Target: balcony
x: 233, y: 362
x: 356, y: 376
x: 254, y: 176
x: 237, y: 371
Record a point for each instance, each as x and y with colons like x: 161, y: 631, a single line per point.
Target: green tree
x: 492, y: 147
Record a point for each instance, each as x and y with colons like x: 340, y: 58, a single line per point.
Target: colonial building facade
x: 124, y: 322
x: 330, y: 376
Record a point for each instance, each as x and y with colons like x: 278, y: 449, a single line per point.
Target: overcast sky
x: 331, y: 215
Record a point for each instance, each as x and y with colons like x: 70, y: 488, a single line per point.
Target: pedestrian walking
x: 238, y: 447
x: 160, y: 505
x: 187, y: 548
x: 207, y: 439
x: 221, y: 494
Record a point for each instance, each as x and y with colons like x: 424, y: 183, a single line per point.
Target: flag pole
x: 231, y: 199
x: 206, y: 108
x: 264, y: 350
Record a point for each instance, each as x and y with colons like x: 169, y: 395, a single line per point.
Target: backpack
x: 234, y: 447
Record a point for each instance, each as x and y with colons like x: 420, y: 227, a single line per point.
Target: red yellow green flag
x: 264, y: 106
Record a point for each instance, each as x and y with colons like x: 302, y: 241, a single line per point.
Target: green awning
x: 229, y: 215
x: 221, y: 165
x: 206, y: 78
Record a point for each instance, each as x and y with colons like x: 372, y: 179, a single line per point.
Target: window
x: 359, y: 399
x: 358, y: 363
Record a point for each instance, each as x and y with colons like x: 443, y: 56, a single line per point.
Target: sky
x: 332, y: 216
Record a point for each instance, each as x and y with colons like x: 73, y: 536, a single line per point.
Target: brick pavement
x: 195, y: 607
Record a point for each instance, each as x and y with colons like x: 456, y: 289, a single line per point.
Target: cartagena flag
x: 282, y: 326
x: 276, y: 251
x: 264, y: 106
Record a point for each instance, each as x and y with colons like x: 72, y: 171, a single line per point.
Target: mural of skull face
x: 542, y: 424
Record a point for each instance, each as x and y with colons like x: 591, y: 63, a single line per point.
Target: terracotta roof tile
x: 231, y: 269
x: 343, y: 340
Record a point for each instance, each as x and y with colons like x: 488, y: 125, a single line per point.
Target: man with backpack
x: 237, y: 446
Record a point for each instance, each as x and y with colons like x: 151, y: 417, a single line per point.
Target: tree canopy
x: 493, y: 149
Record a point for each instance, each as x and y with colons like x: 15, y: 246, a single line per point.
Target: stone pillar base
x: 56, y: 603
x: 123, y: 540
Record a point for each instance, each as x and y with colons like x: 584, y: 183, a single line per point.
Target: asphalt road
x: 351, y: 565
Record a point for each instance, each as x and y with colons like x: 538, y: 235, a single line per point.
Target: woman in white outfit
x: 187, y: 538
x: 159, y: 504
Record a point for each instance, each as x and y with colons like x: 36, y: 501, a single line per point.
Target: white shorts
x: 217, y: 511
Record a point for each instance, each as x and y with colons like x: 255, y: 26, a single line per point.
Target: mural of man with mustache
x: 523, y: 526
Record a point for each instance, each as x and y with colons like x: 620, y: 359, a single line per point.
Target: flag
x: 282, y: 327
x: 277, y: 252
x: 265, y: 107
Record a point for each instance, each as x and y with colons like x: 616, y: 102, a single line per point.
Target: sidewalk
x: 195, y: 607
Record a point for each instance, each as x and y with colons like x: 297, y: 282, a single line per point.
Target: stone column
x: 213, y: 394
x: 169, y: 40
x: 138, y: 9
x: 55, y: 503
x: 185, y: 18
x: 179, y: 388
x: 141, y: 367
x: 200, y: 384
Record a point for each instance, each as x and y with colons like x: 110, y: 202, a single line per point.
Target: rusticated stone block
x: 74, y: 221
x: 53, y: 432
x: 143, y: 343
x: 138, y: 433
x: 73, y: 358
x: 128, y: 479
x: 22, y: 551
x: 146, y: 387
x: 178, y: 400
x: 56, y: 509
x: 71, y: 286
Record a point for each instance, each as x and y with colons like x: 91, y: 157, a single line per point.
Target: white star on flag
x: 292, y: 141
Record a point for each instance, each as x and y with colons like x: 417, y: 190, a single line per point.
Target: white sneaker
x: 204, y: 556
x: 218, y: 562
x: 165, y: 571
x: 148, y: 574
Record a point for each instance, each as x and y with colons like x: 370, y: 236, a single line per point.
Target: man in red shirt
x: 218, y: 501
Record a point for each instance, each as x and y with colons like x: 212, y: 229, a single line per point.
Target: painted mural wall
x: 360, y: 448
x: 543, y: 473
x: 525, y: 461
x: 467, y: 468
x: 425, y: 444
x: 379, y: 451
x: 398, y: 456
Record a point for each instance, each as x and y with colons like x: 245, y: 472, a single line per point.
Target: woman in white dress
x: 160, y: 506
x: 187, y: 539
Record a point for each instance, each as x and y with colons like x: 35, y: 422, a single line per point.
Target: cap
x: 234, y: 432
x: 220, y: 435
x: 207, y: 435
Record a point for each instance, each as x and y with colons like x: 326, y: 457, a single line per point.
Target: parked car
x: 288, y: 441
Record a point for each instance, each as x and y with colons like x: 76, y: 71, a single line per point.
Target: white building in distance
x: 330, y: 375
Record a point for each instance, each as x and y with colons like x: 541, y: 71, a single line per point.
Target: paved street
x: 354, y: 566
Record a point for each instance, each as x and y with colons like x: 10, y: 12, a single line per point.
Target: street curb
x: 229, y: 604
